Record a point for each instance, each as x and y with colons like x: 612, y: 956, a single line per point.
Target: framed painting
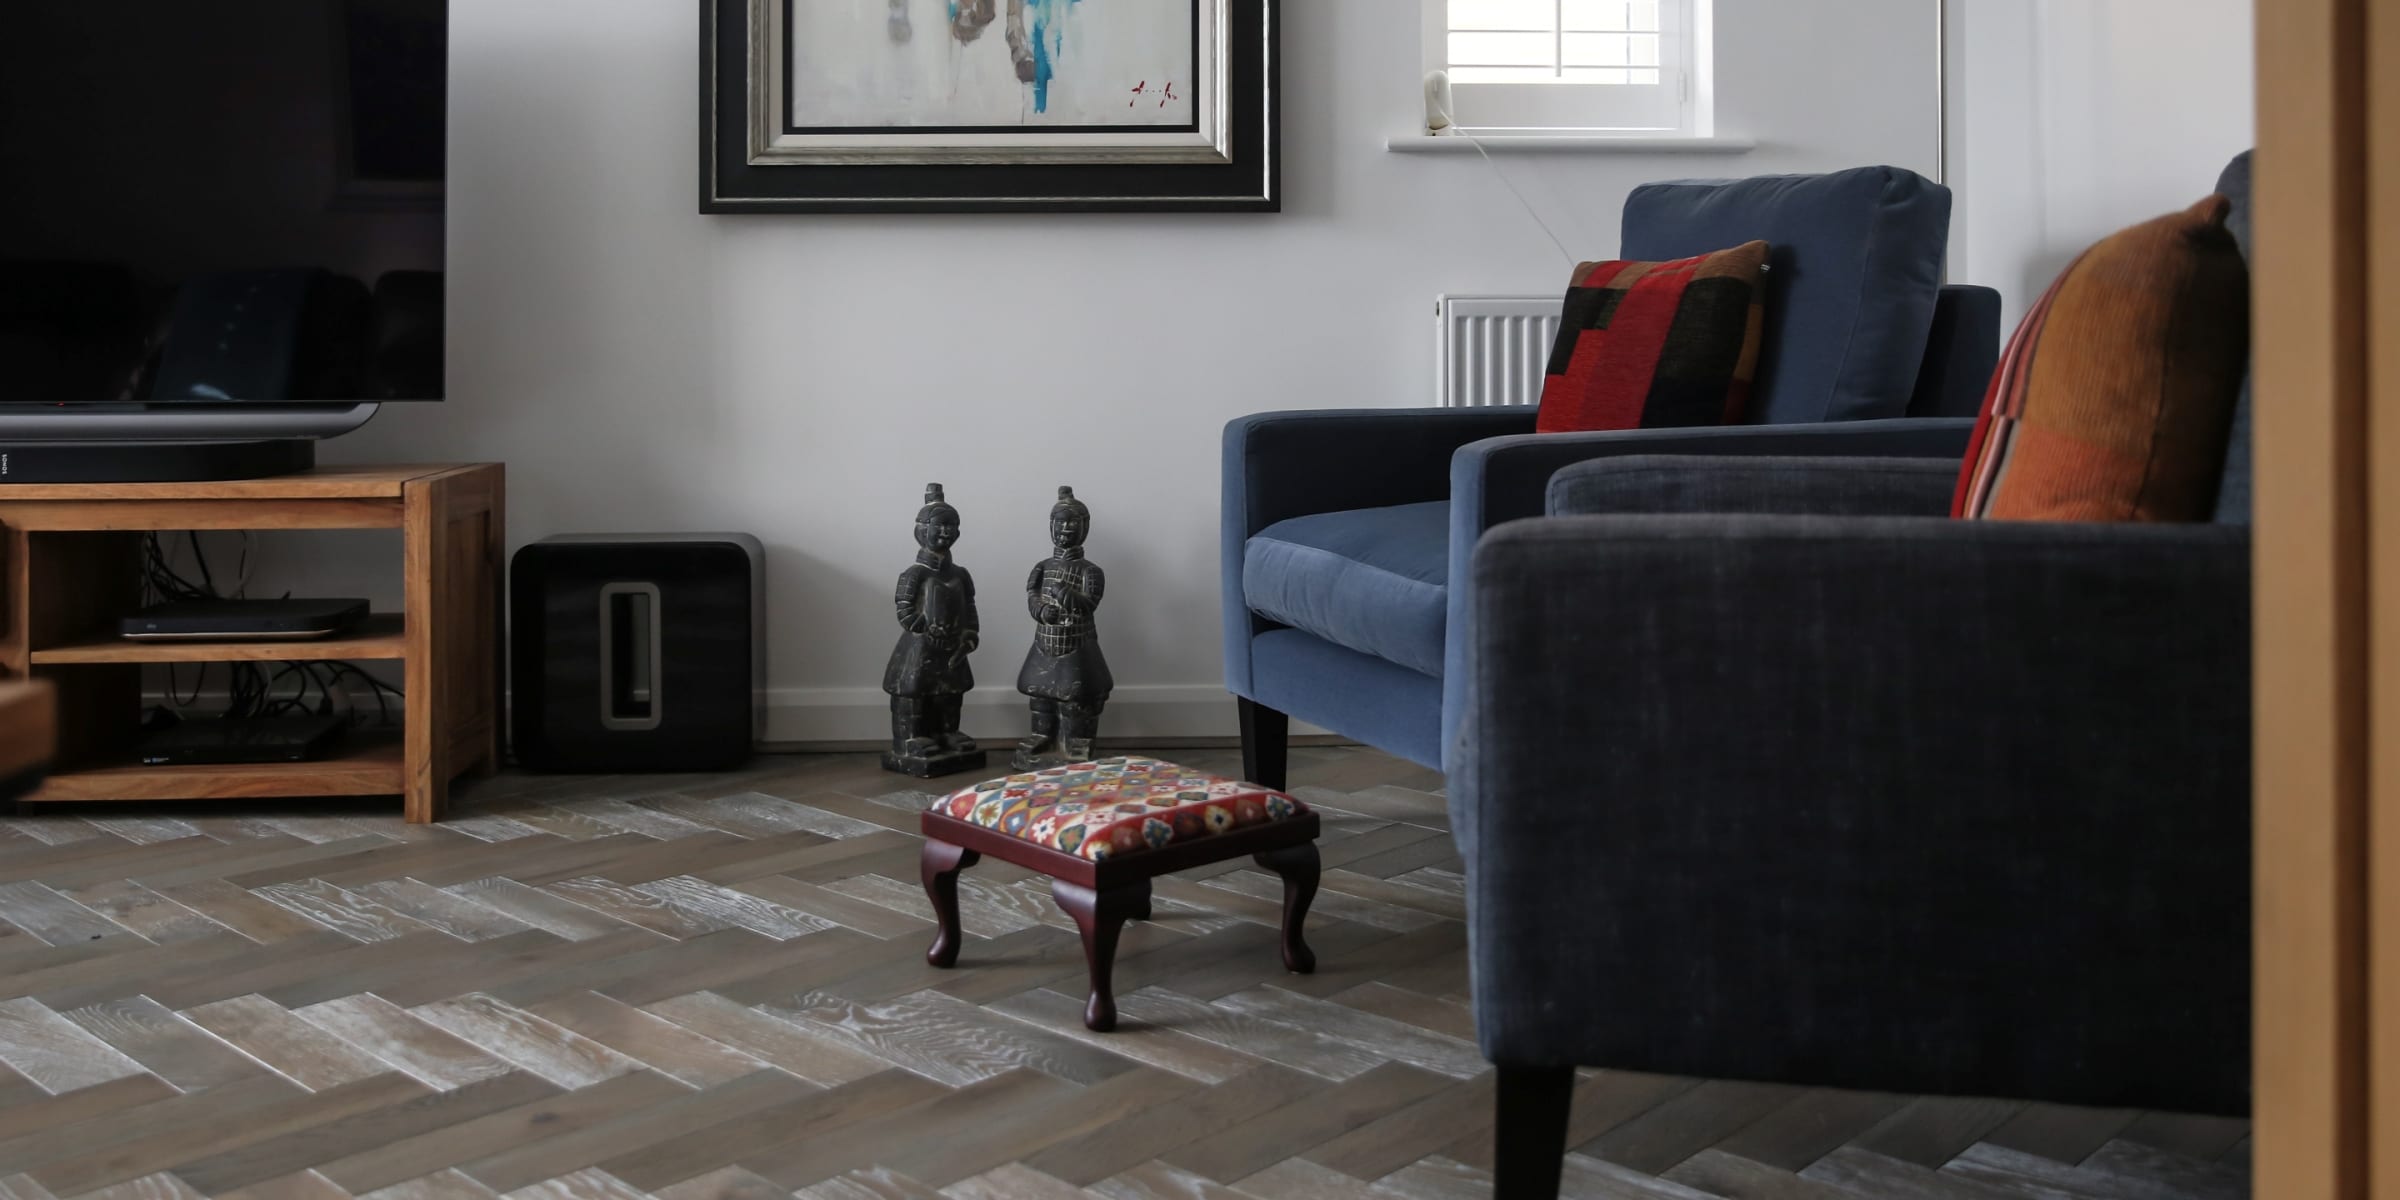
x: 988, y: 105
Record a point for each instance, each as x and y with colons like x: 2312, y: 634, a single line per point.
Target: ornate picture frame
x: 989, y: 106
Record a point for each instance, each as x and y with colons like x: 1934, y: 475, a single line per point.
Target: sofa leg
x: 1266, y: 742
x: 939, y: 866
x: 1100, y: 916
x: 1530, y: 1136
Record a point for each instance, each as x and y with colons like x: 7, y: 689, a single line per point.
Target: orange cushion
x: 2116, y: 396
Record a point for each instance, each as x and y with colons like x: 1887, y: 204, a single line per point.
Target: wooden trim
x: 2381, y: 140
x: 146, y: 515
x: 321, y: 483
x: 378, y: 637
x: 2311, y: 601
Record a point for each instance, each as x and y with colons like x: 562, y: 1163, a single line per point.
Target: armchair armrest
x: 1961, y: 349
x: 1504, y: 478
x: 1905, y: 804
x: 1824, y: 487
x: 1281, y: 465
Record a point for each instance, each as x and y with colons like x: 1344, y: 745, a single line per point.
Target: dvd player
x: 236, y: 620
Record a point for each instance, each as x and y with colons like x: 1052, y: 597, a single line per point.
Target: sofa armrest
x: 1961, y: 350
x: 1657, y: 485
x: 1504, y: 478
x: 1281, y: 465
x: 1896, y: 803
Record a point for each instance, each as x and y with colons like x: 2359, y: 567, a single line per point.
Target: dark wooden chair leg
x: 939, y: 867
x: 1101, y: 916
x: 1530, y: 1135
x: 1266, y: 744
x: 1299, y: 867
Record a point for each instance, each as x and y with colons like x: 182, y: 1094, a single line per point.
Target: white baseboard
x: 995, y: 715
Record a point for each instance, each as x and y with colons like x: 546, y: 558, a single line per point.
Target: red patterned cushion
x: 1116, y: 806
x: 1651, y: 345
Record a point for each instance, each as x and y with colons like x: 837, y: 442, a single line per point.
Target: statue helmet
x: 935, y: 507
x: 1069, y: 506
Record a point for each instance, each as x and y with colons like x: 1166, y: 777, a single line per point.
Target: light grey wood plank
x: 52, y: 917
x: 391, y: 1033
x: 661, y: 1044
x: 448, y: 1184
x: 145, y: 912
x: 1167, y: 1049
x: 537, y: 908
x: 706, y: 901
x: 946, y: 1039
x: 55, y: 1053
x: 342, y: 910
x: 591, y: 1183
x: 1396, y: 1040
x: 1015, y: 1181
x: 561, y: 1056
x: 634, y: 907
x: 173, y: 1048
x: 1293, y: 1046
x: 293, y: 1048
x: 803, y: 1050
x: 160, y: 1186
x: 454, y: 915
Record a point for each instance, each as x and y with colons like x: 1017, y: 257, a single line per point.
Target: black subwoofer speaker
x: 637, y: 652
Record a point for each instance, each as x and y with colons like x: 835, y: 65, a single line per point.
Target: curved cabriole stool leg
x: 1299, y: 867
x: 1100, y: 916
x: 939, y: 868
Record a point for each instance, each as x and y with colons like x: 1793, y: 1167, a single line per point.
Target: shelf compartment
x: 378, y: 637
x: 368, y: 762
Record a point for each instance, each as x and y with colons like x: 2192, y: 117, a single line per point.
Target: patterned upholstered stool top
x: 1116, y: 806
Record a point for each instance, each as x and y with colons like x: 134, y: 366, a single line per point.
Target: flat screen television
x: 219, y: 219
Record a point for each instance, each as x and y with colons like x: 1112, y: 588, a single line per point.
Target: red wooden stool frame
x: 1102, y: 896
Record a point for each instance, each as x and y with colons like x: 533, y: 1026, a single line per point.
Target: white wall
x: 639, y: 366
x: 2076, y: 118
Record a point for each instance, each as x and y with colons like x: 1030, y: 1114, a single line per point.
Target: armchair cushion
x: 1643, y: 345
x: 1851, y: 289
x: 1372, y: 580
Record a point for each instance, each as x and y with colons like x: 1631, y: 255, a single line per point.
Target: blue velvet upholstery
x: 1333, y: 543
x: 1850, y: 289
x: 1371, y: 579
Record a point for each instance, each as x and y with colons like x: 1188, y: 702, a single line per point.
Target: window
x: 1526, y: 66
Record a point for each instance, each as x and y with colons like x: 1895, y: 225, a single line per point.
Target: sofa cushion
x: 1116, y: 806
x: 1374, y: 580
x: 1645, y: 345
x: 2115, y: 398
x: 1852, y: 283
x: 2233, y: 493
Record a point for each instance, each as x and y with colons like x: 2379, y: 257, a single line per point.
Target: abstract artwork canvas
x: 976, y: 105
x: 992, y: 65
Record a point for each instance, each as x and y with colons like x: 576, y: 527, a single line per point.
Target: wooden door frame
x: 2327, y: 585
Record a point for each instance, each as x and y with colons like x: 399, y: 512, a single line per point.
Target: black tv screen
x: 221, y: 201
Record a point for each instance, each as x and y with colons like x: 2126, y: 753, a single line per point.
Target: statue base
x: 934, y: 765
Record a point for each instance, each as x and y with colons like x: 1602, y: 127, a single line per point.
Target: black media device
x: 261, y: 278
x: 241, y: 620
x: 637, y: 652
x: 240, y: 740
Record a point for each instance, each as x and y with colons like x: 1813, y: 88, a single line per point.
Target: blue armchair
x: 1772, y: 771
x: 1342, y: 529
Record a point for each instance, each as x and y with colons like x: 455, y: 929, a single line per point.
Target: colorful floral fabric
x: 1116, y: 806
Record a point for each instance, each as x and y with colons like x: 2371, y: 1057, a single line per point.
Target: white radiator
x: 1492, y: 349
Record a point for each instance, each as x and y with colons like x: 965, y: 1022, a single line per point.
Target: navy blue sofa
x: 1772, y: 771
x: 1342, y: 529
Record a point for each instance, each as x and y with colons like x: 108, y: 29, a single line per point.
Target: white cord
x: 1530, y: 211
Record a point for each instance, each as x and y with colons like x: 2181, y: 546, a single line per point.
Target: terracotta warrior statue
x: 1064, y: 672
x: 928, y: 678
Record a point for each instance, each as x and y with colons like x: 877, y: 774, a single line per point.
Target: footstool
x: 1102, y: 831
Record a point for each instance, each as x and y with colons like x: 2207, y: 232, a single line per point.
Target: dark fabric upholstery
x: 1903, y: 804
x: 2233, y: 494
x: 1374, y: 580
x: 1850, y: 297
x: 1821, y: 487
x: 1355, y: 695
x: 1289, y: 464
x: 1504, y: 478
x: 1960, y: 353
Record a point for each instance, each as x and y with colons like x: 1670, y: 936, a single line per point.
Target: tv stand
x: 154, y: 462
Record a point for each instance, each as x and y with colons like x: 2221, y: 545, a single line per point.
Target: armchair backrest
x: 1851, y: 288
x: 2233, y: 488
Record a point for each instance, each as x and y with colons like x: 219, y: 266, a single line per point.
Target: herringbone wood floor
x: 702, y: 987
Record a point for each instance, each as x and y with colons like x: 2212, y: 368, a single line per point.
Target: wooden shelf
x: 379, y: 637
x: 367, y: 762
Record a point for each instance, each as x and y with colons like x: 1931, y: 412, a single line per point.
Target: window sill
x: 1566, y: 143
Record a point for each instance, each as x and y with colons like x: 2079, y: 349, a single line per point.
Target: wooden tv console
x: 71, y: 565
